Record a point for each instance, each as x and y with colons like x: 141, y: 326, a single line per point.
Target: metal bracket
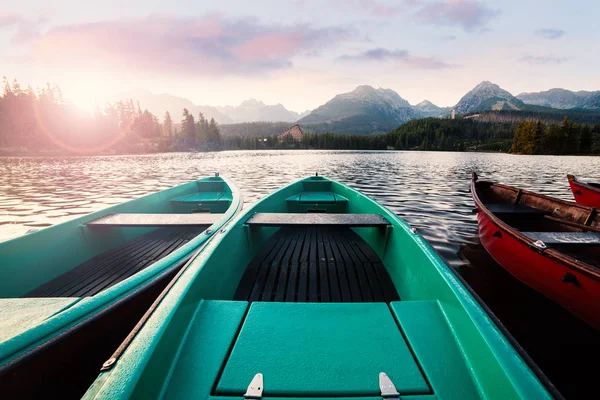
x: 255, y: 389
x: 539, y: 244
x: 388, y: 390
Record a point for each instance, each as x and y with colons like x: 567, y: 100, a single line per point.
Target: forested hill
x: 547, y: 115
x: 462, y: 134
x: 471, y: 134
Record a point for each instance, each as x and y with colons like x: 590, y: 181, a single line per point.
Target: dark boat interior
x: 567, y: 227
x: 316, y: 264
x: 596, y: 185
x: 116, y: 265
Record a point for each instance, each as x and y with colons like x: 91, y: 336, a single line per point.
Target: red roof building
x: 295, y: 132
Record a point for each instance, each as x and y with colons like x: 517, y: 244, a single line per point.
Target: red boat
x: 549, y: 244
x: 585, y: 193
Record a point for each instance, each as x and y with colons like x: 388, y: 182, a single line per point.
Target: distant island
x: 487, y: 118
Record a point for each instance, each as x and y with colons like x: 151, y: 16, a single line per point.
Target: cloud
x: 448, y: 37
x: 27, y: 29
x: 401, y: 56
x: 550, y: 34
x: 543, y: 60
x: 208, y: 44
x: 470, y: 15
x: 380, y: 9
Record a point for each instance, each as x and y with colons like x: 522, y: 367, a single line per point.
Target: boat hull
x: 540, y: 272
x: 584, y: 194
x: 571, y: 283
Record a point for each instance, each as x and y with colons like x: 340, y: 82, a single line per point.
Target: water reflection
x: 430, y: 190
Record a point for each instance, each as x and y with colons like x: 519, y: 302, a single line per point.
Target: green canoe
x: 317, y: 291
x: 70, y: 293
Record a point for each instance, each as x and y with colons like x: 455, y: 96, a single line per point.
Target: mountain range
x: 249, y: 111
x: 254, y: 110
x: 562, y: 99
x: 370, y: 110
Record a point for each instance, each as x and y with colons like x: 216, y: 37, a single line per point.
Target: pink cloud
x: 27, y: 29
x: 209, y: 44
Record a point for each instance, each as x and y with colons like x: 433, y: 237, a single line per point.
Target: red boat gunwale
x: 545, y: 269
x: 584, y: 193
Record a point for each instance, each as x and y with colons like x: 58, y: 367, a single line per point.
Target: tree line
x: 539, y: 137
x: 326, y: 141
x: 42, y: 121
x: 461, y: 134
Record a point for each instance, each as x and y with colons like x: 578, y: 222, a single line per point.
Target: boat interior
x: 594, y: 184
x: 319, y: 293
x: 95, y: 252
x: 566, y: 226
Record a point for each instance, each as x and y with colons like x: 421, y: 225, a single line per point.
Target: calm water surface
x: 430, y: 190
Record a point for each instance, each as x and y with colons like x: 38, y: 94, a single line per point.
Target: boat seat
x: 202, y: 197
x: 155, y: 220
x: 514, y: 209
x: 318, y: 219
x: 578, y: 238
x: 214, y: 202
x: 324, y: 201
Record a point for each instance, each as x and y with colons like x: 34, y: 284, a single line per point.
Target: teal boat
x: 70, y: 293
x: 317, y: 291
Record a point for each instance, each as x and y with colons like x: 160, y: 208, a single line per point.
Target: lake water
x: 430, y: 190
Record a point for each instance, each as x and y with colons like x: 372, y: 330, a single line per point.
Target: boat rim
x: 583, y: 184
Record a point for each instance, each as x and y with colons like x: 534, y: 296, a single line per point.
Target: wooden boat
x: 549, y: 244
x: 317, y: 291
x: 585, y: 193
x: 70, y: 293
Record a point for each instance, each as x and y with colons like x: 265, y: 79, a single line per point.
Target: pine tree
x: 188, y: 128
x: 585, y: 140
x: 168, y: 125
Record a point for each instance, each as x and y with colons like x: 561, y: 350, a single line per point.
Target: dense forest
x: 327, y: 141
x: 461, y: 134
x: 538, y: 137
x: 41, y: 121
x: 547, y: 115
x: 254, y: 129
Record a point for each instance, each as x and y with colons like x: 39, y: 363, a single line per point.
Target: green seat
x: 320, y: 349
x: 325, y: 201
x: 215, y: 202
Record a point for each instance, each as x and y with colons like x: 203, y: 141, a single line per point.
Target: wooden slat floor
x: 316, y: 264
x: 116, y: 265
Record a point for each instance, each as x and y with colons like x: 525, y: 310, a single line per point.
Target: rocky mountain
x: 558, y: 98
x: 363, y: 110
x: 158, y: 104
x: 488, y: 96
x: 593, y: 103
x: 254, y: 110
x: 429, y: 109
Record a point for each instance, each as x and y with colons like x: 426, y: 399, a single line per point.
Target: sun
x: 89, y: 94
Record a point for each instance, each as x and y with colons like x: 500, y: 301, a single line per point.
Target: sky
x: 299, y: 53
